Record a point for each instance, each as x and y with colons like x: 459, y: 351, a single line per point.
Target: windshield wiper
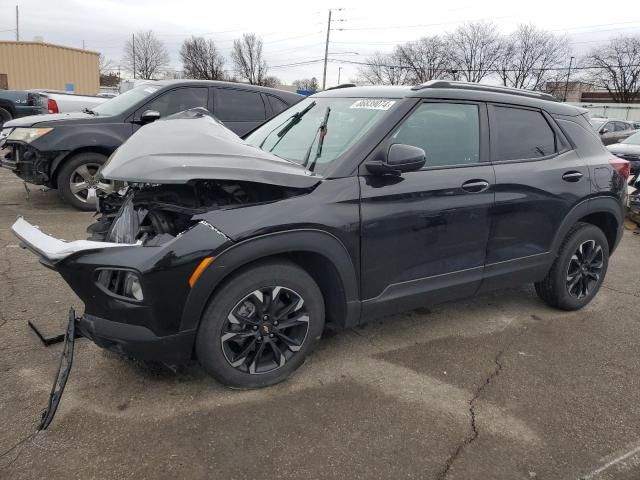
x: 89, y: 111
x: 322, y: 131
x: 288, y: 125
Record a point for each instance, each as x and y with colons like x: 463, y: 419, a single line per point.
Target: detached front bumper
x: 150, y: 328
x: 51, y: 249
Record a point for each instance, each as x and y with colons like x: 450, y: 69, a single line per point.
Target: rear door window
x: 520, y: 134
x: 231, y: 105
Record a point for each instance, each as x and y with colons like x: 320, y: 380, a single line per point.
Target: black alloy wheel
x: 260, y: 325
x: 264, y: 330
x: 585, y: 268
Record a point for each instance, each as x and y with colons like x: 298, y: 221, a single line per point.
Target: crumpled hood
x: 192, y: 145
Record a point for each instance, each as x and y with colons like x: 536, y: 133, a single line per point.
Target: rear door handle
x: 572, y: 176
x: 475, y: 186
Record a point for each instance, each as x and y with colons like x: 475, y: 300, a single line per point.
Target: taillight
x: 621, y: 166
x: 52, y: 106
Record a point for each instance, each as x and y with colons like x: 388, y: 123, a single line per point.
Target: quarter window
x: 238, y: 105
x: 519, y: 134
x: 277, y: 105
x: 449, y: 133
x: 177, y: 100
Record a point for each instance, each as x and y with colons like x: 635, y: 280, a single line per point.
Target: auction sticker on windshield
x: 373, y: 104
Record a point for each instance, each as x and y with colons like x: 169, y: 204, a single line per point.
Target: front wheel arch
x: 302, y: 247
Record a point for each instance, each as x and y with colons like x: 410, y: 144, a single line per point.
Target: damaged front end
x: 135, y: 272
x: 154, y: 214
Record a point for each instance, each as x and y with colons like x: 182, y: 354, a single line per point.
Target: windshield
x: 597, y: 123
x: 633, y: 139
x: 298, y: 137
x: 123, y: 102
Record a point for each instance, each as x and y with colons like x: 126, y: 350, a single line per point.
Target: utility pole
x: 133, y: 47
x: 326, y: 53
x: 326, y: 49
x: 566, y: 84
x: 17, y: 24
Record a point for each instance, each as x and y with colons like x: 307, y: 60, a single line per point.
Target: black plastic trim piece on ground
x: 66, y: 361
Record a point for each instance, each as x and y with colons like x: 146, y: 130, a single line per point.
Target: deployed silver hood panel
x: 192, y: 145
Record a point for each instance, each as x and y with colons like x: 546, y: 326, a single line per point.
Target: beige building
x: 25, y: 65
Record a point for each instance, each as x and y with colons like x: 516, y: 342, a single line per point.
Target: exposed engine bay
x: 151, y: 214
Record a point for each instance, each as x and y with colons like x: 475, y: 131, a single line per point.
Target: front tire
x: 79, y: 180
x: 261, y: 324
x: 578, y: 271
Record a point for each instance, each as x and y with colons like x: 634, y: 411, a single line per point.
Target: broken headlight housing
x: 27, y: 135
x: 121, y: 283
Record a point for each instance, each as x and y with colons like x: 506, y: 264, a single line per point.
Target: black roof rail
x: 342, y: 85
x: 485, y: 88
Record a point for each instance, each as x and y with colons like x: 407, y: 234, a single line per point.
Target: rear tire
x: 260, y: 325
x: 5, y: 116
x: 578, y: 271
x: 78, y: 181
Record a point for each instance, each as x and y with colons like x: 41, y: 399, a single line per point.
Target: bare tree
x: 271, y: 81
x: 248, y: 60
x: 475, y: 49
x: 148, y: 55
x: 201, y: 59
x: 105, y: 65
x: 617, y: 68
x: 425, y: 59
x: 530, y: 56
x: 382, y: 69
x: 307, y: 84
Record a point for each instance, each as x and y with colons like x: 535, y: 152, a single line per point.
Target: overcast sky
x: 293, y: 32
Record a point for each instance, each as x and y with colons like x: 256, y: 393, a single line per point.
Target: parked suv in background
x: 612, y: 131
x: 353, y: 204
x: 66, y: 151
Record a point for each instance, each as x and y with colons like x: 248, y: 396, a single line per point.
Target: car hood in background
x: 51, y: 118
x: 624, y: 148
x: 192, y: 145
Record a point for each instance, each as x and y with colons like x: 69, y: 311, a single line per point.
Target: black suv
x: 353, y: 204
x: 66, y: 151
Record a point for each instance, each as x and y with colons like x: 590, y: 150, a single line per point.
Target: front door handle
x: 572, y: 176
x: 475, y: 186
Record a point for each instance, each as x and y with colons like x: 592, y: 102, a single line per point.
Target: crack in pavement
x: 621, y: 291
x: 475, y: 432
x: 472, y: 411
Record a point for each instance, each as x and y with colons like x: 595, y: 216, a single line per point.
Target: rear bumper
x: 137, y: 341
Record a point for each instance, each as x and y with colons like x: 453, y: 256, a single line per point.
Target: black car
x: 629, y: 149
x: 353, y: 204
x: 66, y: 151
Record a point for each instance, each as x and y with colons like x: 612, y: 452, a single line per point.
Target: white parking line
x: 610, y: 464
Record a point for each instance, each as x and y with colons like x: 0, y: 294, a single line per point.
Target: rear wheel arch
x: 603, y: 212
x: 319, y: 253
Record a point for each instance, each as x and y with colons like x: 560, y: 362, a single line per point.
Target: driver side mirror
x: 149, y: 116
x: 400, y: 158
x: 603, y: 131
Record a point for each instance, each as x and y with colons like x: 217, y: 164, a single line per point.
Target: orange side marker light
x: 199, y: 269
